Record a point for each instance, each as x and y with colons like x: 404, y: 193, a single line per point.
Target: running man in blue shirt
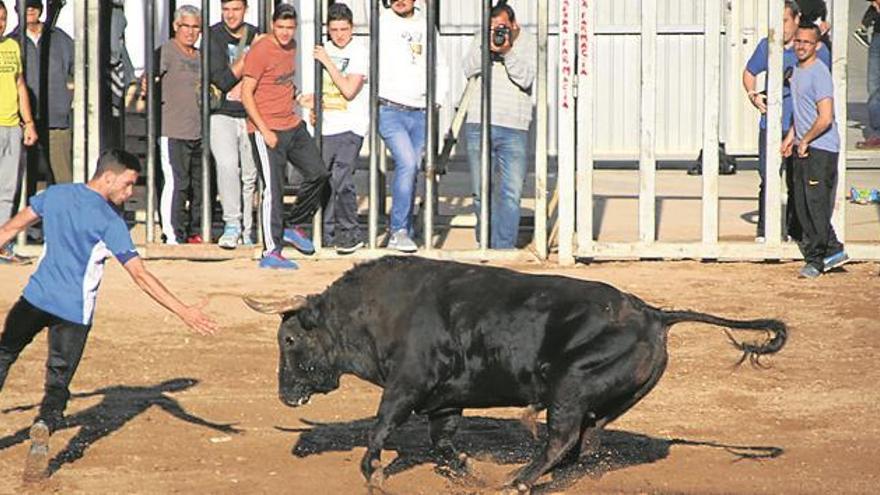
x: 82, y: 229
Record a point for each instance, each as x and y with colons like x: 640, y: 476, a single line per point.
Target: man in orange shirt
x: 279, y: 135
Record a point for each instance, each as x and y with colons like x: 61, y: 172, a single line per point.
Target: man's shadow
x: 120, y: 404
x: 506, y: 441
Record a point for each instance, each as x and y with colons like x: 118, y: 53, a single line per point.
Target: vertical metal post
x: 264, y: 14
x: 567, y: 118
x: 207, y: 199
x: 373, y: 220
x: 150, y: 74
x: 21, y: 239
x: 93, y: 115
x: 541, y: 117
x: 584, y: 138
x: 80, y: 88
x: 430, y: 122
x: 711, y: 104
x: 485, y: 126
x: 840, y: 28
x: 773, y: 206
x: 317, y: 222
x: 647, y: 140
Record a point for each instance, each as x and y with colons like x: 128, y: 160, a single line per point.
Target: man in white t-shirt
x: 345, y: 122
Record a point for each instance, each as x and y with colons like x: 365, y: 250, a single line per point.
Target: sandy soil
x: 158, y: 410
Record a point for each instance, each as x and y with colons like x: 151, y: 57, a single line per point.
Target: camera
x: 499, y: 35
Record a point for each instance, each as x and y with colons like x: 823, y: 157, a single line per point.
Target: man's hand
x: 198, y: 321
x: 306, y: 100
x: 30, y: 134
x: 803, y: 149
x: 759, y: 101
x: 787, y: 146
x: 320, y: 55
x: 270, y: 137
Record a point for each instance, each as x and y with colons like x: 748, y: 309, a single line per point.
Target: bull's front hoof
x: 377, y: 478
x: 458, y: 468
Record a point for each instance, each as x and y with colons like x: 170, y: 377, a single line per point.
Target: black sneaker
x: 36, y: 466
x: 696, y: 169
x: 862, y: 37
x: 349, y: 246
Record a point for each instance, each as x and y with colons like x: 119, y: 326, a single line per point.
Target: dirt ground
x: 159, y: 410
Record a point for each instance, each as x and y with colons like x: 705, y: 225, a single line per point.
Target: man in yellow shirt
x: 16, y: 124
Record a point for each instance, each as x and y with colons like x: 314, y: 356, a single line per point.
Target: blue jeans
x: 507, y: 173
x: 404, y: 134
x: 874, y: 87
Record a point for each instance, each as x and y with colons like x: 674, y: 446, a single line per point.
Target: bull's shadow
x: 119, y: 405
x: 505, y: 441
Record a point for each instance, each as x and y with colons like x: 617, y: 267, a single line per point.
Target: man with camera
x: 513, y: 72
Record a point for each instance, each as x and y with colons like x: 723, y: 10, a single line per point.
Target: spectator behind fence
x: 236, y: 171
x: 277, y: 135
x: 402, y: 100
x: 61, y: 293
x: 816, y: 140
x: 16, y: 126
x: 871, y: 20
x: 756, y: 65
x: 345, y: 122
x: 51, y: 104
x: 180, y: 141
x: 513, y: 72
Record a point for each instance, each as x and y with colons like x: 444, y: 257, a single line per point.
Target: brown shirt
x: 273, y: 67
x: 181, y: 77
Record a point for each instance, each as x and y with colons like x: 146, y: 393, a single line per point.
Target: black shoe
x: 349, y: 246
x: 696, y: 169
x: 862, y: 37
x: 727, y: 167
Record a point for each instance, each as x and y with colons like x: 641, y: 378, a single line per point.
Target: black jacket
x: 219, y: 62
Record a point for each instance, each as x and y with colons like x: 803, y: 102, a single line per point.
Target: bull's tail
x: 776, y: 329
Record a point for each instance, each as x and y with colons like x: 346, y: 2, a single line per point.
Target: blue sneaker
x: 230, y: 238
x: 834, y: 261
x: 297, y: 238
x: 276, y: 261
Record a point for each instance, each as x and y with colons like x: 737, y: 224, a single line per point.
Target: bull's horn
x: 275, y: 307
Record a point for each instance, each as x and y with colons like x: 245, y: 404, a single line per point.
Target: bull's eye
x: 288, y: 340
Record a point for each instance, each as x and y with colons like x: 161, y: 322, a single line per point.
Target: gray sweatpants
x: 10, y: 168
x: 236, y: 171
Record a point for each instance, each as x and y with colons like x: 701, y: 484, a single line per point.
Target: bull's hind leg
x: 563, y: 430
x: 444, y: 424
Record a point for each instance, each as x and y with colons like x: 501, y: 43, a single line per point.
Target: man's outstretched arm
x: 191, y: 315
x: 16, y: 224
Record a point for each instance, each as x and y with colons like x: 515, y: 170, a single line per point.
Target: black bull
x: 441, y: 336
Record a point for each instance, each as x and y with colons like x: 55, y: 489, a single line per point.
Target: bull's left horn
x: 275, y: 307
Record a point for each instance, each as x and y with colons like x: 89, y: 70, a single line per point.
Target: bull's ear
x: 275, y: 307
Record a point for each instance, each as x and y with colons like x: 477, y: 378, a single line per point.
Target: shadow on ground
x: 505, y: 441
x: 119, y: 405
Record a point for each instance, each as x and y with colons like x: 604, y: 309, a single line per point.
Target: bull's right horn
x: 275, y: 307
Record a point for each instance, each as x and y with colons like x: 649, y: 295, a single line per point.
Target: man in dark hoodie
x: 236, y: 172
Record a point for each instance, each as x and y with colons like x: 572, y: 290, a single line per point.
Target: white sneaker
x: 400, y: 241
x: 230, y: 238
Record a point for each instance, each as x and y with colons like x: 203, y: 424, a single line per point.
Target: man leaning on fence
x: 402, y: 100
x: 757, y: 64
x: 815, y: 143
x: 279, y: 135
x: 513, y: 72
x: 231, y: 38
x: 16, y: 126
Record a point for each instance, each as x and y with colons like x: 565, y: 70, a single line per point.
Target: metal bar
x: 80, y: 96
x: 584, y: 139
x: 93, y: 116
x: 150, y: 74
x: 773, y: 206
x: 264, y: 15
x: 711, y: 110
x: 430, y: 121
x: 647, y: 138
x: 840, y: 27
x: 21, y: 238
x: 567, y: 118
x: 317, y: 221
x: 207, y: 200
x: 541, y: 116
x: 485, y: 126
x: 373, y: 214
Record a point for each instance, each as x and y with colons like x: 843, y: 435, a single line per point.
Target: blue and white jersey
x: 81, y: 230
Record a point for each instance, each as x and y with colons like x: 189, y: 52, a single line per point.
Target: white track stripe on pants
x: 167, y: 192
x: 266, y: 167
